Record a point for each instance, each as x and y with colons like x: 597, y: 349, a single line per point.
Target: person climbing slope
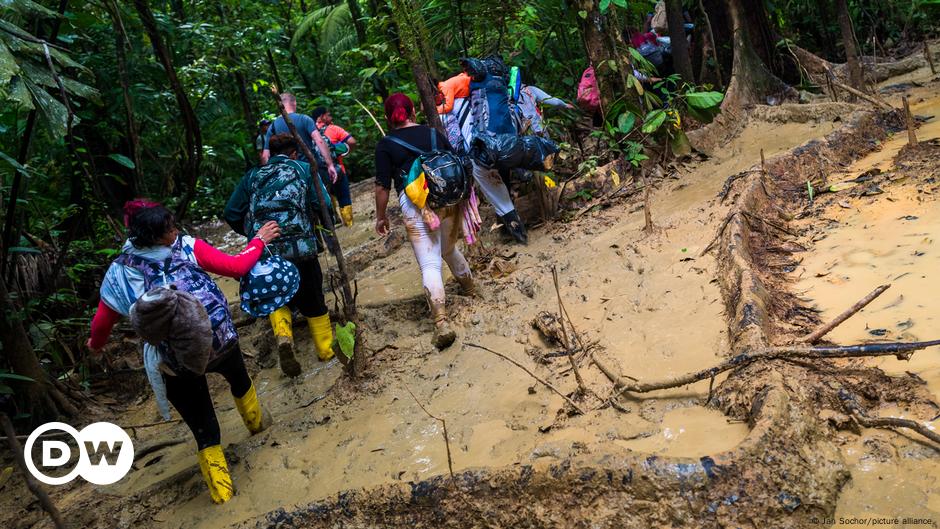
x: 283, y: 190
x: 341, y: 143
x: 456, y: 87
x: 156, y: 254
x: 530, y: 100
x: 394, y: 156
x: 307, y: 129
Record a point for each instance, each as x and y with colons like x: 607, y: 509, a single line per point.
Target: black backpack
x: 448, y: 176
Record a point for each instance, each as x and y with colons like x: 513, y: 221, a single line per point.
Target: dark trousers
x: 309, y: 298
x: 189, y: 394
x: 340, y: 189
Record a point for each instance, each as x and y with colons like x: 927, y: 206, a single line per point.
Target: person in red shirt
x: 337, y: 135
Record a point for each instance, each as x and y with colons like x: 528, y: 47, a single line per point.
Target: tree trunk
x: 192, y: 133
x: 596, y: 34
x: 18, y: 351
x: 680, y: 46
x: 413, y: 41
x: 133, y: 136
x: 751, y: 83
x: 856, y: 76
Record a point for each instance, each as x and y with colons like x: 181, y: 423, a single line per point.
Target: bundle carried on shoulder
x: 506, y: 152
x: 495, y: 142
x: 177, y: 322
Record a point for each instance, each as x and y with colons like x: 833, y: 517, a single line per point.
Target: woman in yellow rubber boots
x: 154, y: 256
x: 283, y: 191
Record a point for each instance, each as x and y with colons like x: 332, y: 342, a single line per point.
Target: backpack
x: 337, y: 150
x: 436, y: 179
x: 280, y: 192
x: 589, y: 97
x: 181, y: 273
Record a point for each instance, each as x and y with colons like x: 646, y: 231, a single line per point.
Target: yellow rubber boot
x: 281, y: 323
x: 346, y: 213
x: 256, y: 418
x: 215, y: 471
x: 322, y: 332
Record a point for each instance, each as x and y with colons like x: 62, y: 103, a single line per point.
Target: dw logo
x: 105, y: 453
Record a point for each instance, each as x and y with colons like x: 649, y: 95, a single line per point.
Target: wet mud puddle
x: 892, y: 238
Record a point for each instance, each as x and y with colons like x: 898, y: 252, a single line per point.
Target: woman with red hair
x: 394, y: 155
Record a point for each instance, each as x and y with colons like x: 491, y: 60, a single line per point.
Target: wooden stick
x: 450, y: 461
x: 884, y: 422
x: 814, y: 336
x: 562, y: 313
x: 31, y: 483
x: 721, y: 229
x: 895, y: 422
x: 371, y: 116
x: 933, y: 69
x: 531, y: 374
x: 909, y: 119
x: 901, y: 350
x: 859, y: 93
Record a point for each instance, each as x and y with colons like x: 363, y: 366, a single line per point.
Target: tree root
x: 885, y: 422
x: 531, y: 374
x: 902, y: 351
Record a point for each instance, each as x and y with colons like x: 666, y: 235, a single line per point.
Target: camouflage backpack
x: 280, y: 191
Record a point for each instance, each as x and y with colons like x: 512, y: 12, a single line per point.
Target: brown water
x: 890, y: 238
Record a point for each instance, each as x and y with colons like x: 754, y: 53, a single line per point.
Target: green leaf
x: 626, y: 121
x: 604, y: 5
x: 367, y: 73
x: 22, y: 249
x: 653, y: 120
x: 621, y: 3
x: 583, y: 14
x: 346, y: 338
x: 680, y: 144
x: 704, y: 100
x: 16, y: 165
x: 123, y: 160
x: 8, y: 66
x: 14, y: 376
x: 54, y: 112
x: 5, y: 390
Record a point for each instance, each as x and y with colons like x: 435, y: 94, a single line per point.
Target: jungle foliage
x: 95, y: 97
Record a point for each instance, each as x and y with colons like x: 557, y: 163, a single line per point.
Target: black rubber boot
x: 514, y: 226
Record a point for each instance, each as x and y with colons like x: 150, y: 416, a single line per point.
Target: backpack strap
x: 406, y: 145
x: 433, y: 140
x: 464, y: 113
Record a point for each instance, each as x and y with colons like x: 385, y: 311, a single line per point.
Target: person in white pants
x: 490, y: 182
x: 432, y: 247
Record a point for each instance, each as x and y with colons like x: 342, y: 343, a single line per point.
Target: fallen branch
x: 902, y: 351
x: 31, y: 484
x: 885, y: 422
x: 569, y: 347
x: 859, y: 93
x: 450, y: 461
x: 814, y: 336
x: 531, y: 374
x: 767, y: 222
x: 721, y: 229
x: 159, y: 445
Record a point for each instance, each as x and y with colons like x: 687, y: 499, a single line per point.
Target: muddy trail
x: 739, y: 260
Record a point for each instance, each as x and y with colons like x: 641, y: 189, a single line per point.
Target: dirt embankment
x: 767, y: 449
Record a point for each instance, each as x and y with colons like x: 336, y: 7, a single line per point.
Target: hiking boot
x: 514, y: 227
x: 281, y: 324
x: 444, y: 336
x: 467, y: 287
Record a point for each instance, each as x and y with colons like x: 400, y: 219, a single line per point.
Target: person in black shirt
x: 431, y: 247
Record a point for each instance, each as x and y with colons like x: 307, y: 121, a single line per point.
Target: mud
x: 763, y: 448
